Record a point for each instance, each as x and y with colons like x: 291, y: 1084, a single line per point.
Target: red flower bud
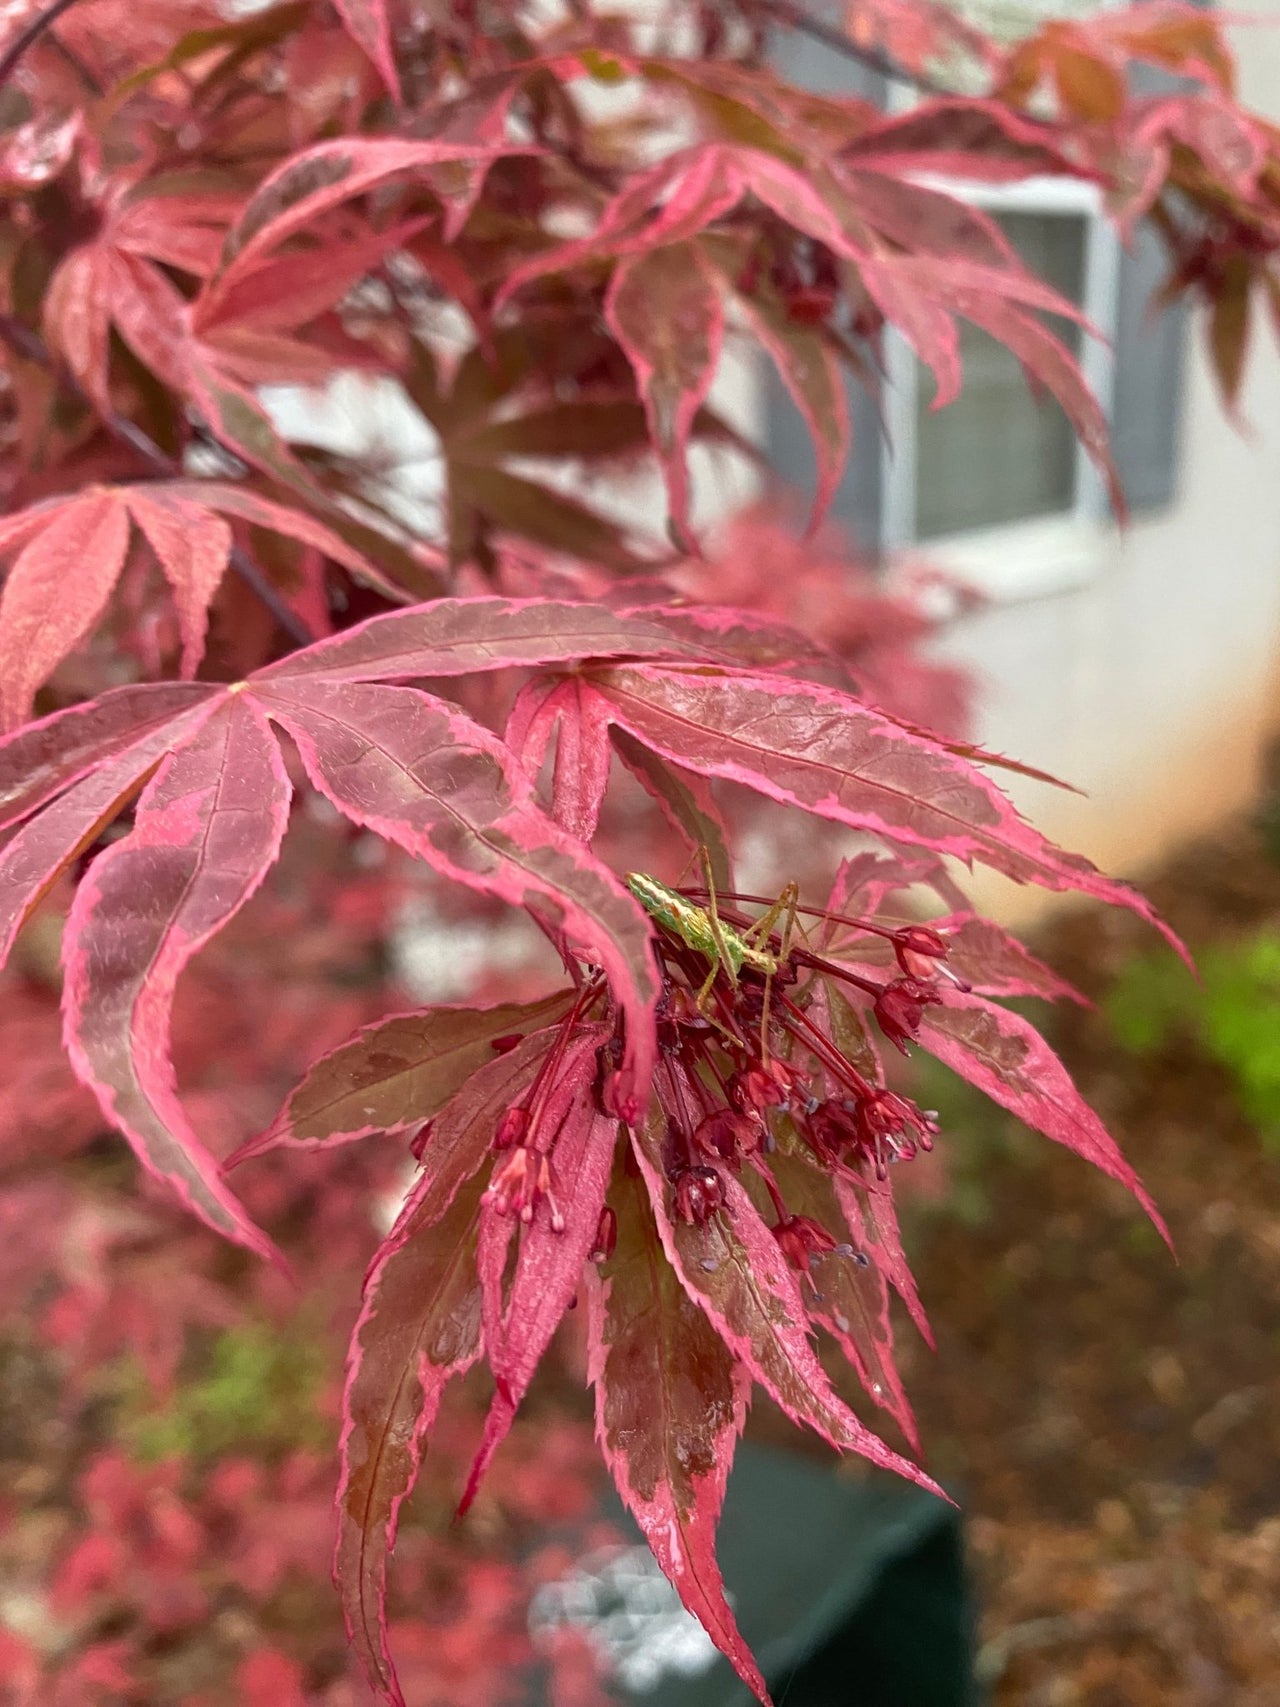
x: 788, y: 1078
x: 751, y: 1091
x: 913, y: 943
x: 699, y: 1192
x: 920, y: 952
x: 881, y: 1112
x: 889, y: 1126
x: 616, y: 1094
x: 899, y: 1007
x: 767, y: 1084
x: 609, y: 1087
x: 804, y: 1240
x: 810, y: 304
x: 828, y: 1129
x: 728, y: 1135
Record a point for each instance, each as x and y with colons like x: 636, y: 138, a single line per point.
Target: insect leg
x: 784, y: 908
x: 723, y: 955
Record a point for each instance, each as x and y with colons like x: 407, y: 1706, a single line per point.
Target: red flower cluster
x: 762, y: 1066
x: 756, y: 1065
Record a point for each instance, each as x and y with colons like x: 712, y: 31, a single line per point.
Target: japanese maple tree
x: 543, y: 227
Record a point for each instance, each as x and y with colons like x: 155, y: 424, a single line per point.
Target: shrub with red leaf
x: 224, y: 648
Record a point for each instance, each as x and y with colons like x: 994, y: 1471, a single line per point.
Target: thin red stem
x: 682, y: 1125
x: 771, y: 1186
x: 803, y: 1029
x: 539, y: 1090
x: 27, y: 38
x: 833, y: 969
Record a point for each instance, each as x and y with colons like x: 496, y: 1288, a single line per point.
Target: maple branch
x: 248, y: 571
x: 26, y: 38
x: 82, y: 71
x: 24, y: 342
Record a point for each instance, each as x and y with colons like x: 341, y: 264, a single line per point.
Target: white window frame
x: 1043, y: 554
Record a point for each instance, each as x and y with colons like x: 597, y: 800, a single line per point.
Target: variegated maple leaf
x: 203, y: 766
x: 65, y: 557
x: 262, y: 314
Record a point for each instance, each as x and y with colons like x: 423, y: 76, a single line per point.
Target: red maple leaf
x: 67, y: 555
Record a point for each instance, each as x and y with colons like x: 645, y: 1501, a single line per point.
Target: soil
x: 1111, y: 1418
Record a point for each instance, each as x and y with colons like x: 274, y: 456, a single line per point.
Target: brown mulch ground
x: 1114, y: 1419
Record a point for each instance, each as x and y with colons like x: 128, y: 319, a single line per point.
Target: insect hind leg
x: 784, y: 908
x: 725, y: 954
x: 757, y: 935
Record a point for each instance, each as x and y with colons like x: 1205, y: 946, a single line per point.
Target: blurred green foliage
x: 1233, y: 1015
x: 253, y: 1391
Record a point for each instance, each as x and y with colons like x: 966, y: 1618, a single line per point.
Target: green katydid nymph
x: 703, y: 930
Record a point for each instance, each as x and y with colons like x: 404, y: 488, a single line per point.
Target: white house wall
x: 1154, y: 686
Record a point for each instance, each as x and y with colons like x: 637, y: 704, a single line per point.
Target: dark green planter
x: 849, y: 1595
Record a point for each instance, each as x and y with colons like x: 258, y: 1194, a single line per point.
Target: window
x: 1000, y: 456
x: 995, y: 484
